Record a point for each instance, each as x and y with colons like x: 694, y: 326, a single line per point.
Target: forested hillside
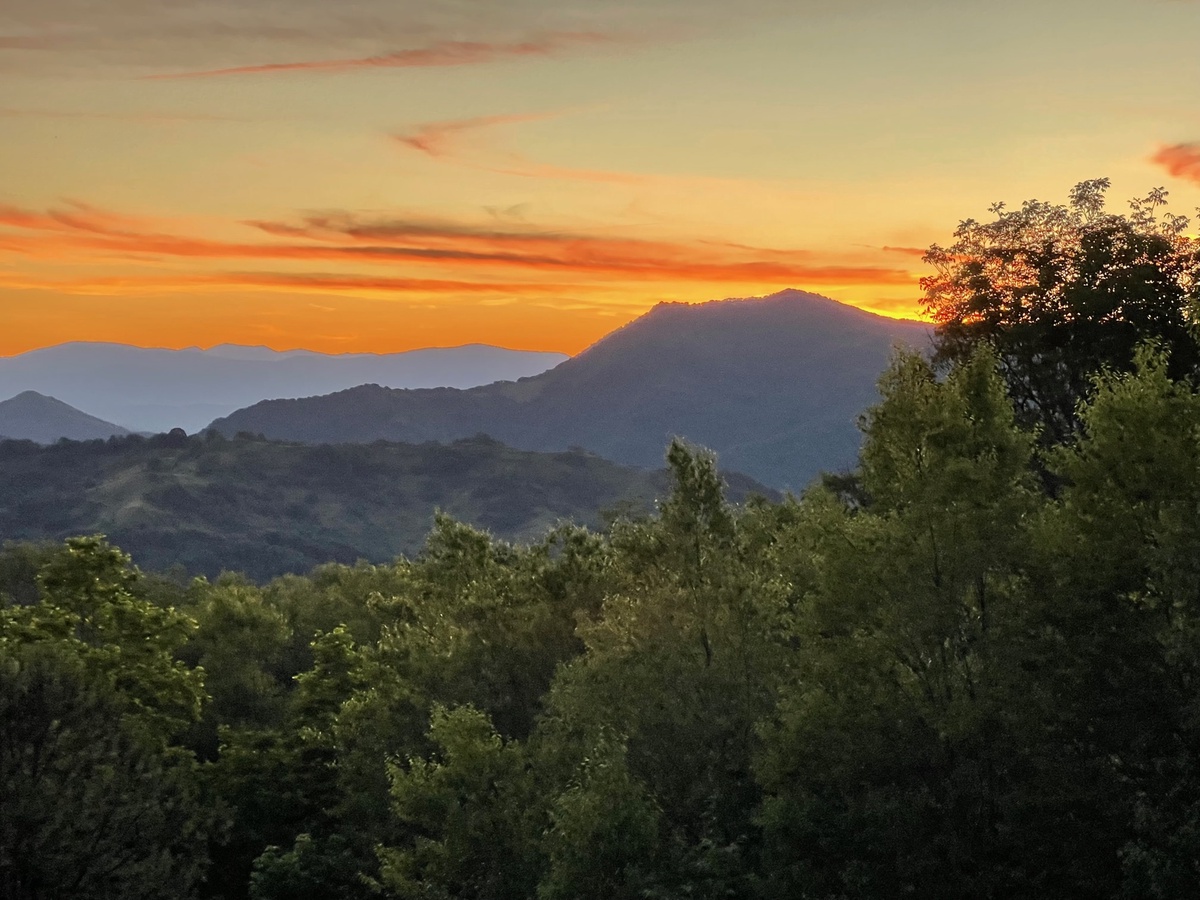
x: 265, y: 508
x: 968, y: 669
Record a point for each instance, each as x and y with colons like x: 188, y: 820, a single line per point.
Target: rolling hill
x: 156, y: 390
x: 266, y: 508
x: 31, y: 416
x: 775, y: 385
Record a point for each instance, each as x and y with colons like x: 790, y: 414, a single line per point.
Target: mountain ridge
x: 156, y: 389
x: 773, y: 384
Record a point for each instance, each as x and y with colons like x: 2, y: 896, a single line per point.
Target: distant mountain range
x: 31, y: 416
x: 266, y: 508
x: 775, y: 385
x: 156, y: 390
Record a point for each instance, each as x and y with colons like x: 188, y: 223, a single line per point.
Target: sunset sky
x: 354, y: 175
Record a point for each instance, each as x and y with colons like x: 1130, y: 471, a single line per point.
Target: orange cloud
x: 442, y: 53
x: 464, y: 258
x: 318, y: 282
x: 1180, y: 160
x: 597, y: 255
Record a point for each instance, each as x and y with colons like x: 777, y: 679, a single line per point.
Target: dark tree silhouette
x: 1062, y: 292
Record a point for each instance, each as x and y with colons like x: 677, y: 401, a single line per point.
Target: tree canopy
x: 1063, y: 291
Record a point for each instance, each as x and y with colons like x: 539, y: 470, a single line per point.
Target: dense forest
x: 968, y: 668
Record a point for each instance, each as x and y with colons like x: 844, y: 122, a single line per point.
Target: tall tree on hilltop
x: 1062, y: 292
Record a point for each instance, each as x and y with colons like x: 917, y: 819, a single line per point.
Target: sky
x: 383, y: 175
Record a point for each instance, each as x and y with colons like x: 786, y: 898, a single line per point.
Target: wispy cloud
x: 468, y: 254
x: 438, y: 54
x: 318, y: 282
x: 1180, y: 160
x: 444, y: 140
x: 918, y: 252
x: 592, y: 254
x: 438, y: 139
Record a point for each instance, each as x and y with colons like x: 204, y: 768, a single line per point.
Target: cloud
x: 437, y: 139
x: 145, y: 37
x: 74, y: 216
x: 596, y: 255
x: 462, y: 253
x: 321, y: 282
x: 437, y: 54
x: 918, y: 252
x: 441, y: 140
x: 1180, y: 160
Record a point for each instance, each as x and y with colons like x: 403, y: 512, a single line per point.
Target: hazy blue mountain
x: 774, y: 384
x: 266, y: 508
x: 157, y: 390
x: 31, y: 416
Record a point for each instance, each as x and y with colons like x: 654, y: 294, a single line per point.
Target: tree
x: 894, y: 763
x: 90, y: 810
x: 1122, y: 559
x: 98, y: 799
x: 681, y: 662
x: 465, y: 816
x: 603, y: 831
x: 1062, y: 292
x: 90, y: 608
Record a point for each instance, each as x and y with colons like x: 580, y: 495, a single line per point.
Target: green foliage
x: 603, y: 831
x: 1123, y: 549
x: 97, y: 801
x: 465, y: 812
x: 681, y: 660
x: 240, y: 642
x: 283, y: 783
x: 89, y: 809
x: 90, y: 610
x: 886, y: 765
x: 309, y: 871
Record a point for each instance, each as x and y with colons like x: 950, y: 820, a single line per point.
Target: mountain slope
x: 266, y: 508
x: 30, y: 416
x: 773, y: 384
x: 157, y: 390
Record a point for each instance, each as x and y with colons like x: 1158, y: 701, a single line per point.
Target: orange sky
x: 377, y: 176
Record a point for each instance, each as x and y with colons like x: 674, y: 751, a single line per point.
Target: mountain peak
x: 774, y: 384
x: 33, y: 416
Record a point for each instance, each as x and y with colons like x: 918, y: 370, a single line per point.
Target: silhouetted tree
x: 1062, y: 292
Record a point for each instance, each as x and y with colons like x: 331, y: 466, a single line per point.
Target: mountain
x: 31, y: 416
x: 156, y: 390
x: 266, y: 508
x: 774, y: 384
